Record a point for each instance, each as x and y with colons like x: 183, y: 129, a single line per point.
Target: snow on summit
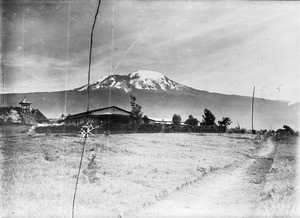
x: 147, y: 74
x: 151, y: 80
x: 142, y: 79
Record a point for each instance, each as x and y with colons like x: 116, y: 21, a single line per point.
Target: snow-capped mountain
x: 142, y: 79
x: 161, y: 97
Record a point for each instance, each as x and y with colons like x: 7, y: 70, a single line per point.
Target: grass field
x: 120, y: 173
x: 279, y: 197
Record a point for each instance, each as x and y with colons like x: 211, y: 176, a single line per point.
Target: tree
x: 191, y: 121
x: 146, y: 119
x: 208, y: 118
x: 176, y: 120
x: 136, y: 109
x: 225, y: 122
x: 288, y: 129
x: 285, y: 133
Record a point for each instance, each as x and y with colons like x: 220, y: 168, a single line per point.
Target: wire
x: 77, y: 179
x: 67, y: 71
x: 88, y: 104
x: 137, y: 39
x: 112, y: 56
x: 2, y: 69
x: 112, y: 50
x: 90, y: 57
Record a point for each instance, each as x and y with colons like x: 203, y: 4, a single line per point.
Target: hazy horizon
x: 290, y: 103
x: 221, y: 47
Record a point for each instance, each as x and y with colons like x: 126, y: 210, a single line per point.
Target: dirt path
x: 232, y: 192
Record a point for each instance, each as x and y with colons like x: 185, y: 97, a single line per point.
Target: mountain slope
x: 162, y: 97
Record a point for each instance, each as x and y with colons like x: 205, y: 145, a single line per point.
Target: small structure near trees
x: 21, y: 115
x: 25, y: 104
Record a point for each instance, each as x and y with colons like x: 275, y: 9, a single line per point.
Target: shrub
x: 285, y: 133
x: 150, y: 128
x: 237, y: 130
x: 57, y: 129
x: 191, y: 121
x: 146, y: 120
x: 176, y: 120
x: 226, y: 121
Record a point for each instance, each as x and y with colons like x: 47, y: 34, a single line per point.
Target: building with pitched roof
x: 25, y: 104
x: 107, y: 114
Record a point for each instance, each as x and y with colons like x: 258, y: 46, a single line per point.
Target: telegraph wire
x: 85, y: 134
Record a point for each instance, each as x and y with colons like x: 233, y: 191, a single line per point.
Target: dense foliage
x: 208, y: 118
x: 285, y: 133
x: 136, y: 109
x: 17, y: 115
x: 176, y: 120
x: 146, y: 120
x: 120, y: 128
x: 191, y: 121
x: 226, y: 121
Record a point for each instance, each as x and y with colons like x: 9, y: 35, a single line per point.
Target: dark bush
x: 176, y: 120
x: 57, y: 129
x: 226, y: 121
x: 237, y: 130
x: 120, y: 128
x: 285, y: 133
x: 191, y: 121
x: 146, y: 120
x: 150, y: 128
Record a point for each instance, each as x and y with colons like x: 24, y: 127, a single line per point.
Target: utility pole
x: 252, y: 109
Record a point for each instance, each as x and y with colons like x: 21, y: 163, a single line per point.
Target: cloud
x: 31, y: 72
x: 218, y: 46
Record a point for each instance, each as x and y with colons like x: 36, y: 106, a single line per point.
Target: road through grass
x: 232, y: 192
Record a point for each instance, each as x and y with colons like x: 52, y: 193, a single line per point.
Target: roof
x: 161, y: 119
x: 25, y: 101
x: 100, y: 109
x: 39, y: 116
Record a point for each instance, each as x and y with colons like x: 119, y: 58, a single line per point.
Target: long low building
x: 164, y: 121
x: 107, y: 114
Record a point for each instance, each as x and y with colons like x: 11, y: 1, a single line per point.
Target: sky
x: 218, y: 46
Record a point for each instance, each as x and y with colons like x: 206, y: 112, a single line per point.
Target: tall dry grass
x: 279, y: 197
x: 128, y: 172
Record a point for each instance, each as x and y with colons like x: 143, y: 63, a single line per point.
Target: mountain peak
x: 151, y: 80
x: 141, y: 79
x: 146, y: 74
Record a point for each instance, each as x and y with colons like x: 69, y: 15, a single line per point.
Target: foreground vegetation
x: 124, y: 173
x: 121, y: 173
x: 279, y: 197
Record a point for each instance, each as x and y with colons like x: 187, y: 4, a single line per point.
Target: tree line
x: 208, y: 119
x: 208, y: 123
x: 125, y: 124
